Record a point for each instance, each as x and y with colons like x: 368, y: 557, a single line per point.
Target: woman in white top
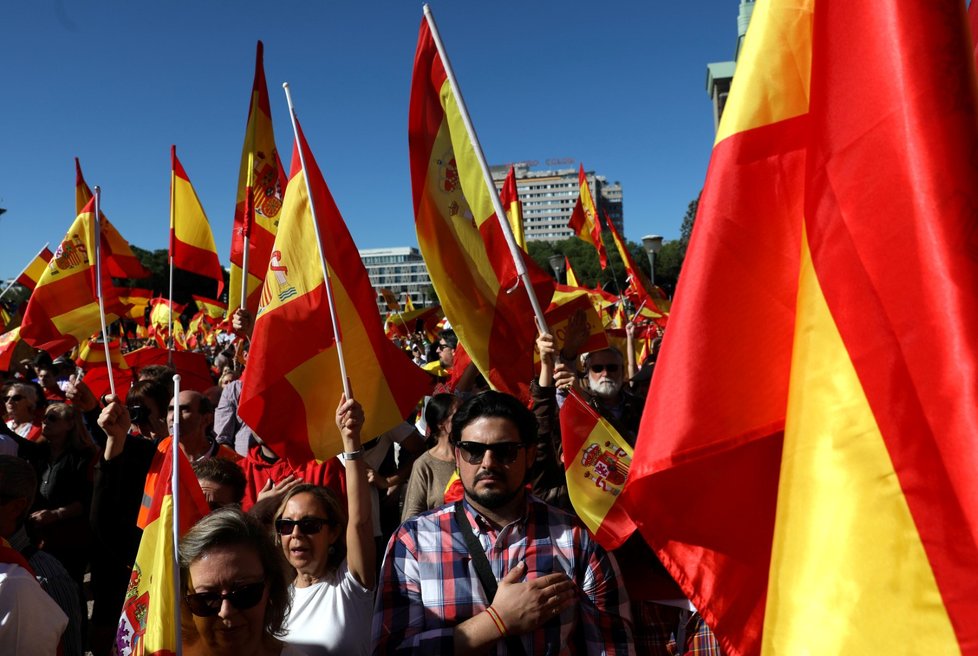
x: 331, y: 549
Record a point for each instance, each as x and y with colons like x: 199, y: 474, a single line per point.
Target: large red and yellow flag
x: 510, y: 199
x: 292, y: 383
x: 147, y: 623
x: 192, y: 250
x: 32, y: 273
x: 261, y: 183
x: 460, y: 236
x: 118, y: 260
x: 596, y: 459
x: 584, y: 219
x: 63, y: 310
x: 827, y: 497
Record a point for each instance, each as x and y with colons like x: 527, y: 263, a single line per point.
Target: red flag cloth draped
x: 63, y: 310
x: 192, y: 366
x: 192, y: 248
x: 118, y: 260
x: 261, y: 183
x: 460, y: 236
x: 584, y: 220
x: 808, y: 476
x: 596, y: 459
x: 292, y: 383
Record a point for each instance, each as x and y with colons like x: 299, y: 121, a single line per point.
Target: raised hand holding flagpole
x: 497, y: 205
x: 98, y: 286
x: 322, y: 257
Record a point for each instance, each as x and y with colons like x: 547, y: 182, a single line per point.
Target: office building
x: 719, y: 75
x: 401, y: 270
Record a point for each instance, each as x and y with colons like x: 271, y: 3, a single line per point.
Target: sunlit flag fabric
x: 806, y: 463
x: 510, y: 199
x: 91, y: 360
x: 195, y: 262
x: 213, y: 309
x: 118, y: 260
x: 261, y: 183
x: 390, y: 299
x: 640, y: 289
x: 138, y: 300
x: 584, y: 219
x: 596, y: 460
x: 33, y: 272
x: 572, y: 279
x: 146, y: 626
x: 8, y: 343
x: 292, y: 383
x: 63, y: 310
x: 406, y: 323
x: 459, y: 234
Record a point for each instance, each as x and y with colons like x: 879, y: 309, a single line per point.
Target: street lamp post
x: 652, y: 244
x: 557, y: 263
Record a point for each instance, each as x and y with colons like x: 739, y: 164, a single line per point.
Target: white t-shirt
x: 30, y: 620
x: 331, y: 617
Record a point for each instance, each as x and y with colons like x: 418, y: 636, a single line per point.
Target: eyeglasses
x: 13, y: 398
x: 504, y: 452
x: 610, y: 368
x: 442, y: 347
x: 307, y: 525
x: 208, y: 604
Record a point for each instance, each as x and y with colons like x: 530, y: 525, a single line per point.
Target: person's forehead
x: 225, y: 565
x: 604, y: 357
x: 490, y: 430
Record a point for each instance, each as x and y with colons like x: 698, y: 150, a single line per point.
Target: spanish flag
x: 8, y: 343
x: 405, y: 323
x: 147, y: 622
x: 32, y: 273
x: 192, y: 249
x: 91, y: 360
x: 118, y: 260
x: 510, y: 199
x: 261, y: 183
x: 138, y: 299
x: 460, y: 236
x: 640, y: 290
x: 596, y: 461
x: 390, y: 299
x: 63, y: 310
x: 292, y: 383
x: 213, y: 309
x: 572, y: 279
x: 808, y: 476
x: 584, y: 219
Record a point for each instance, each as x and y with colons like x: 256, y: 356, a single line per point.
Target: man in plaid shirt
x: 559, y: 591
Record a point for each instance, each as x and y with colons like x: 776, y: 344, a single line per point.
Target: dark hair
x: 162, y: 374
x: 154, y: 390
x: 436, y: 411
x: 223, y: 472
x: 496, y: 404
x: 334, y: 509
x: 449, y: 336
x: 18, y: 480
x: 228, y: 527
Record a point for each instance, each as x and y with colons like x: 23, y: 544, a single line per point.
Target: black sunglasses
x: 13, y: 398
x: 504, y: 452
x: 208, y: 604
x: 610, y: 368
x: 307, y: 525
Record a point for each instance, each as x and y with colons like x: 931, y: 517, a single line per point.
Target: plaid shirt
x: 428, y: 584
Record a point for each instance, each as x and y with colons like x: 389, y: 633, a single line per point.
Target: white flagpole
x: 493, y: 194
x: 244, y: 271
x: 11, y: 284
x: 175, y: 495
x: 98, y: 285
x: 322, y: 256
x: 169, y: 341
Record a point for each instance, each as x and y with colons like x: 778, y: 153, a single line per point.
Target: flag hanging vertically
x: 460, y: 237
x: 261, y: 183
x: 584, y: 219
x: 596, y: 459
x: 292, y: 383
x: 118, y: 260
x: 63, y: 310
x: 32, y: 273
x: 640, y: 290
x: 572, y: 279
x: 826, y: 502
x: 146, y: 625
x: 192, y: 250
x: 510, y: 199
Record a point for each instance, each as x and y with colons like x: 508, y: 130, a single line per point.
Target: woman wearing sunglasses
x: 20, y: 402
x: 331, y: 549
x: 235, y: 588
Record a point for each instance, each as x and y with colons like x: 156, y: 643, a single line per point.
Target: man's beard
x: 491, y: 500
x: 606, y: 387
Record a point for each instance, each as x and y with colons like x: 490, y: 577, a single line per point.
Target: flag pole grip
x: 322, y: 257
x: 497, y: 205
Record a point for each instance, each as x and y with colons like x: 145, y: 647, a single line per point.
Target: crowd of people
x: 452, y: 532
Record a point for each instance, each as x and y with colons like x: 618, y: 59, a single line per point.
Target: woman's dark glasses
x: 307, y: 525
x: 208, y: 604
x: 504, y: 452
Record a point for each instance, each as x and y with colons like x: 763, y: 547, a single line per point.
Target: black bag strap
x: 481, y: 564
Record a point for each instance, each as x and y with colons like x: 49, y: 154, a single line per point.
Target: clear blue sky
x: 618, y: 86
